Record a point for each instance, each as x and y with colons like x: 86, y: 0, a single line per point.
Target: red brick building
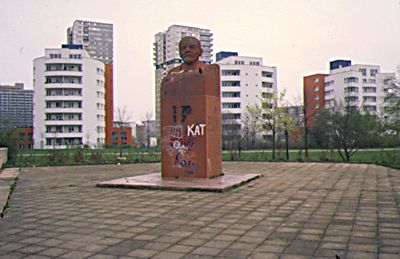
x: 314, y: 95
x: 23, y: 138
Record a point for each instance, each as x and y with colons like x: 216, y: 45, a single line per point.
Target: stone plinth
x: 191, y: 124
x: 154, y: 181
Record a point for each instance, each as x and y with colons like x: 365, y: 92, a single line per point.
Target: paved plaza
x: 296, y: 210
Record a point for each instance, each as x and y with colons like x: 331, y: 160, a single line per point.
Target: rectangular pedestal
x: 191, y: 124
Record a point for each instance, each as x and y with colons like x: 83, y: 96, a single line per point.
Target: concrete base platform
x: 154, y: 181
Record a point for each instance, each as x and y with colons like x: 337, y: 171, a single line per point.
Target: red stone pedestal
x: 191, y: 124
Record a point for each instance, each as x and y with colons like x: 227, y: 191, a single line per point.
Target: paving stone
x: 261, y: 255
x: 168, y: 255
x: 302, y: 247
x: 124, y: 248
x: 103, y: 256
x: 207, y: 251
x: 76, y: 254
x: 271, y: 249
x: 53, y: 252
x: 361, y: 255
x: 12, y: 255
x: 235, y: 253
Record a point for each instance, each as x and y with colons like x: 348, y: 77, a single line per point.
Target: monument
x: 191, y: 117
x: 191, y: 152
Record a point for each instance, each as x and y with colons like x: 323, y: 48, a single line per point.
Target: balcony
x: 63, y: 122
x: 63, y: 110
x: 63, y: 98
x: 63, y: 135
x: 351, y: 94
x: 63, y: 73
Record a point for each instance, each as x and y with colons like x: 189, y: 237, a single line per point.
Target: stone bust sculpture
x: 190, y: 51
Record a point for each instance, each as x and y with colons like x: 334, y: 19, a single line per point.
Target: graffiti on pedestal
x: 179, y: 141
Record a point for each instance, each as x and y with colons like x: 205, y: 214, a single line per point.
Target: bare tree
x: 252, y: 123
x: 286, y: 123
x: 122, y: 117
x: 231, y: 133
x: 147, y: 118
x: 271, y: 116
x: 122, y: 120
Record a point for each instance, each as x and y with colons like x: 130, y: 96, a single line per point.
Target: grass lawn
x: 386, y: 157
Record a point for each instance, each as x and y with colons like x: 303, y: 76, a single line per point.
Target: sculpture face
x: 190, y: 50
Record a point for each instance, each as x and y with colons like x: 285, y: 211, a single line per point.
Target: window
x: 363, y: 71
x: 351, y: 99
x: 123, y: 135
x: 75, y: 56
x: 230, y: 72
x: 266, y: 74
x: 238, y: 62
x: 329, y: 83
x: 369, y: 99
x: 316, y: 80
x: 351, y: 89
x: 230, y: 94
x: 55, y: 55
x: 266, y: 84
x: 316, y: 97
x: 267, y: 105
x: 230, y: 105
x: 369, y: 89
x: 21, y: 136
x: 316, y: 88
x: 369, y: 108
x: 114, y: 135
x: 373, y: 72
x: 230, y: 83
x: 316, y: 106
x: 351, y: 80
x: 267, y: 95
x: 231, y: 116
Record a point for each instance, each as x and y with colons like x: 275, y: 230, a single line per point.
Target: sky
x: 299, y: 37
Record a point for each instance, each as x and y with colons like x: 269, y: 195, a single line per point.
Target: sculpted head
x: 190, y: 50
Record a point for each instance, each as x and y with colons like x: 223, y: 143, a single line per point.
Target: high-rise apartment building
x: 245, y: 81
x: 16, y: 105
x: 166, y: 54
x: 69, y: 99
x: 97, y: 39
x: 361, y: 87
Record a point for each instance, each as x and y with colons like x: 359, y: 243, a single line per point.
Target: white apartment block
x: 361, y: 87
x: 245, y: 81
x: 166, y: 54
x: 68, y: 99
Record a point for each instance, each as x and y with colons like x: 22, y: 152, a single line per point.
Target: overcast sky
x: 299, y: 37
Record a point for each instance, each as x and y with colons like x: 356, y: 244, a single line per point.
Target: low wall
x: 3, y: 156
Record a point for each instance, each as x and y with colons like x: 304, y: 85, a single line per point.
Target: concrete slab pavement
x: 297, y: 210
